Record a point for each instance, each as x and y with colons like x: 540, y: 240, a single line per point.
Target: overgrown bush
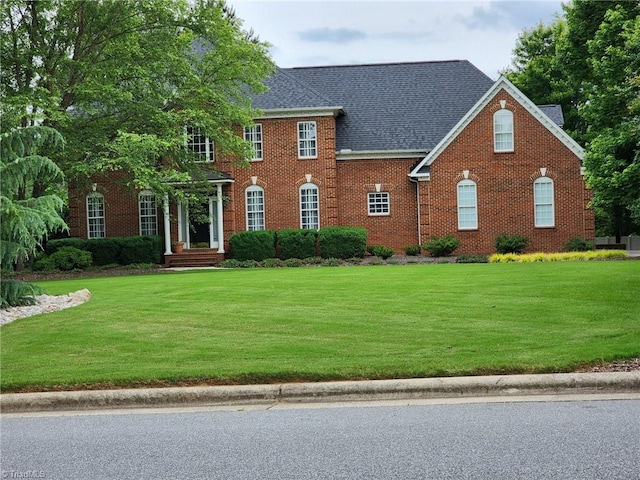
x: 510, y: 243
x: 297, y: 243
x: 412, y: 250
x: 472, y: 258
x: 578, y: 244
x: 255, y: 245
x: 342, y: 242
x: 382, y: 251
x: 442, y: 246
x: 65, y: 259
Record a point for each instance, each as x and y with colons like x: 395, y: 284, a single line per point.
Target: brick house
x: 406, y: 150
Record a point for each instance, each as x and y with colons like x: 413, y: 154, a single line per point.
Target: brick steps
x: 197, y: 257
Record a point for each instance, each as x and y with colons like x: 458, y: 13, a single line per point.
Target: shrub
x: 249, y: 264
x: 382, y: 251
x: 557, y: 257
x: 14, y: 293
x: 342, y: 242
x: 578, y: 244
x: 230, y: 263
x: 65, y: 259
x: 272, y: 263
x: 441, y: 246
x: 412, y: 250
x: 115, y: 250
x: 470, y: 258
x: 510, y: 243
x: 376, y: 261
x: 331, y: 262
x: 313, y: 261
x: 293, y: 262
x: 297, y: 243
x: 254, y: 245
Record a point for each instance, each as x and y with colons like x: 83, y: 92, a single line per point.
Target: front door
x: 198, y: 227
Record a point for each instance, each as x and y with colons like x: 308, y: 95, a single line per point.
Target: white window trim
x: 308, y: 186
x: 301, y: 140
x: 253, y: 134
x: 253, y: 188
x: 101, y: 218
x: 147, y: 193
x: 378, y: 195
x: 464, y: 183
x: 536, y: 203
x: 209, y: 153
x: 509, y: 114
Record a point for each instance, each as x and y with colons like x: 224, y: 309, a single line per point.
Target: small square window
x: 378, y: 203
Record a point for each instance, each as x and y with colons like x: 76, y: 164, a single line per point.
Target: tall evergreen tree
x: 26, y: 216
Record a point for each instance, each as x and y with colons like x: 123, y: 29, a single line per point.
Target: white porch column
x: 211, y: 200
x: 167, y: 225
x: 220, y: 220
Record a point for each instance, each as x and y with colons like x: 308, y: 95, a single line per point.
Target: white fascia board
x: 301, y: 112
x: 532, y: 108
x: 347, y: 154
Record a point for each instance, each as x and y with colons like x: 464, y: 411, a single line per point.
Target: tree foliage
x: 120, y: 79
x: 589, y: 62
x: 26, y: 215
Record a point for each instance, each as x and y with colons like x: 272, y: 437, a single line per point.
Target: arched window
x: 543, y: 202
x: 148, y: 213
x: 503, y: 131
x: 309, y: 207
x: 95, y: 215
x: 254, y: 196
x: 467, y: 205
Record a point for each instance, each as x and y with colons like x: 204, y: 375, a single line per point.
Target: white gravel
x: 45, y: 304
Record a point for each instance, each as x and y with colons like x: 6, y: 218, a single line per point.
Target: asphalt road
x: 593, y: 439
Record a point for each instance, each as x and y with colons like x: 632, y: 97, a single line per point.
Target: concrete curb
x: 420, y: 388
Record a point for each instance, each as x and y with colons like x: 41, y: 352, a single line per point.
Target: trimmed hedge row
x: 328, y: 242
x: 115, y: 250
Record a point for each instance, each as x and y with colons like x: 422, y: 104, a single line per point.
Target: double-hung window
x: 503, y: 131
x: 253, y: 134
x: 309, y: 207
x: 378, y: 203
x: 200, y: 144
x: 467, y: 205
x: 254, y: 196
x: 95, y: 215
x: 543, y: 202
x: 307, y: 140
x: 148, y: 213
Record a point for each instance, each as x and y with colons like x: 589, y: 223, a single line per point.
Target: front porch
x: 194, y: 257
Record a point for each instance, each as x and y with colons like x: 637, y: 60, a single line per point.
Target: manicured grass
x: 264, y: 325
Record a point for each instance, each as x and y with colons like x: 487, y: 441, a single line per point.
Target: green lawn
x: 264, y: 325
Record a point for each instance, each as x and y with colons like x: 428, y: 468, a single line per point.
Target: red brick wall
x: 505, y: 185
x: 356, y: 178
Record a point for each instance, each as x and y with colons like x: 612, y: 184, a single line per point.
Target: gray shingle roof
x: 394, y: 106
x: 554, y: 112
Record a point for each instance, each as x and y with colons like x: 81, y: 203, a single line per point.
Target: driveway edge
x: 372, y: 390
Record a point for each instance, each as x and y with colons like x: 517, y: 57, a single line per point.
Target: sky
x: 331, y: 32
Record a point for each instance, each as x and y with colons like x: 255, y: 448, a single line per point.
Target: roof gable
x: 501, y: 84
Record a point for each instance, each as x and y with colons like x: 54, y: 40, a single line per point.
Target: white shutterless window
x: 307, y: 140
x: 253, y: 134
x: 467, y: 205
x: 95, y: 215
x: 254, y: 201
x: 309, y: 207
x: 200, y: 144
x: 544, y: 208
x: 148, y: 213
x: 503, y: 131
